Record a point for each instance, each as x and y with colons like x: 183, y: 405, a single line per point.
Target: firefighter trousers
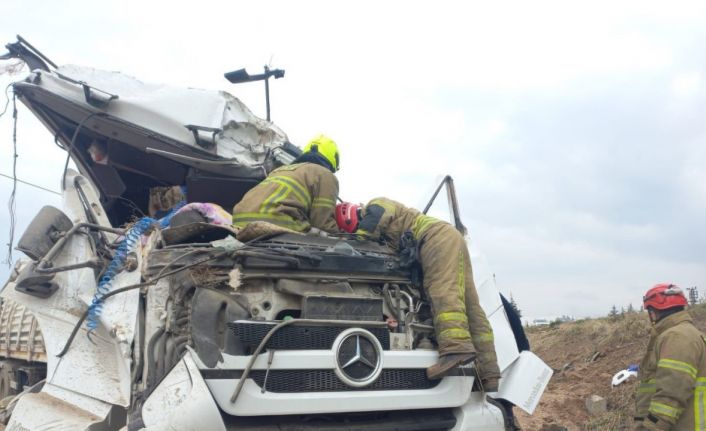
x: 460, y: 323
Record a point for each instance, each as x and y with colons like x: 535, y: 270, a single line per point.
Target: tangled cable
x: 128, y: 244
x: 145, y: 284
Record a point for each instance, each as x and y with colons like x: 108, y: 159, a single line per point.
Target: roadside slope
x: 585, y: 355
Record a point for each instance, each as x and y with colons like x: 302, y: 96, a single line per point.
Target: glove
x: 634, y: 367
x: 409, y: 253
x: 490, y: 384
x: 318, y: 232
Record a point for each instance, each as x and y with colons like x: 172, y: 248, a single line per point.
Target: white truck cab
x: 109, y: 323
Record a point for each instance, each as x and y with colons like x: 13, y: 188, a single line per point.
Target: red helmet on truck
x: 347, y: 216
x: 664, y: 296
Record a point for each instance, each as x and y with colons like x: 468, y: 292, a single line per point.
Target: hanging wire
x: 7, y: 100
x: 11, y: 204
x: 72, y: 143
x: 133, y: 206
x: 36, y: 186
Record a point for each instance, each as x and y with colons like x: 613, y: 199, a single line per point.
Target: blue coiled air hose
x: 127, y: 245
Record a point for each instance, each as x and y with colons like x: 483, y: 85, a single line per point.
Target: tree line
x: 692, y: 294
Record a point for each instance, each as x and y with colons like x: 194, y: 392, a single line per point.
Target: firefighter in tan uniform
x: 300, y: 196
x: 462, y: 328
x: 672, y: 391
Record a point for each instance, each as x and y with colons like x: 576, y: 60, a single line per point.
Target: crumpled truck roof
x: 208, y: 124
x: 151, y: 135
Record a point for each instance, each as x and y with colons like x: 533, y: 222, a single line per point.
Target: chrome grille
x: 292, y: 381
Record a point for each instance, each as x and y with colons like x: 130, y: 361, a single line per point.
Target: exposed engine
x: 228, y: 303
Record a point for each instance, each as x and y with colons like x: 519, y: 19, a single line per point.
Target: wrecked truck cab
x: 151, y: 135
x: 201, y: 330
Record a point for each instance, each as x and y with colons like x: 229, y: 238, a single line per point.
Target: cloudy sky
x: 575, y: 131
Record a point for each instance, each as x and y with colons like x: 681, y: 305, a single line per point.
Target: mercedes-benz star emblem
x: 358, y: 357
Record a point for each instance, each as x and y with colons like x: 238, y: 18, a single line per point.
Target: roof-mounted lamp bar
x: 239, y: 76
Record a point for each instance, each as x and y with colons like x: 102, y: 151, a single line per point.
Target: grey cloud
x: 594, y: 200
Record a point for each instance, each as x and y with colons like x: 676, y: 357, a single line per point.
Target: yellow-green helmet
x: 326, y: 147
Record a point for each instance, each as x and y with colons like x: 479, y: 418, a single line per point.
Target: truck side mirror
x: 35, y: 284
x: 43, y: 232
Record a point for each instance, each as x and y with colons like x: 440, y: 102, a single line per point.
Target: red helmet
x: 347, y: 216
x: 664, y: 296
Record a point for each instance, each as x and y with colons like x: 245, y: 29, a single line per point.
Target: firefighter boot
x: 447, y: 363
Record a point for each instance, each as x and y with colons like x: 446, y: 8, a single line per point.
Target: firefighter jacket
x: 298, y: 197
x: 672, y: 390
x: 460, y: 323
x: 388, y: 220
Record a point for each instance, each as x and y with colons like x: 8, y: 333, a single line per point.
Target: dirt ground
x: 585, y: 355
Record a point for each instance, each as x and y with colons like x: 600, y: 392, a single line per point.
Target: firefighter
x: 462, y: 329
x: 300, y: 196
x: 672, y: 390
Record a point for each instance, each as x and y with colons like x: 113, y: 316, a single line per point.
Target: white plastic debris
x: 622, y: 376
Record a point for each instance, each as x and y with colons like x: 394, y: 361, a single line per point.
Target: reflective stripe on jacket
x: 459, y: 320
x: 297, y: 197
x: 673, y: 374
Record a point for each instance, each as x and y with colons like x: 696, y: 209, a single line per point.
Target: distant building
x: 540, y: 322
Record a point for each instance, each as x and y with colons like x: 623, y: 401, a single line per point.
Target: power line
x: 11, y: 203
x: 30, y: 184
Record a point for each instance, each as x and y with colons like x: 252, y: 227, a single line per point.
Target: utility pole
x: 693, y: 295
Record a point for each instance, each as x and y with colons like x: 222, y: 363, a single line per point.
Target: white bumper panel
x: 478, y: 415
x: 182, y: 402
x: 451, y: 392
